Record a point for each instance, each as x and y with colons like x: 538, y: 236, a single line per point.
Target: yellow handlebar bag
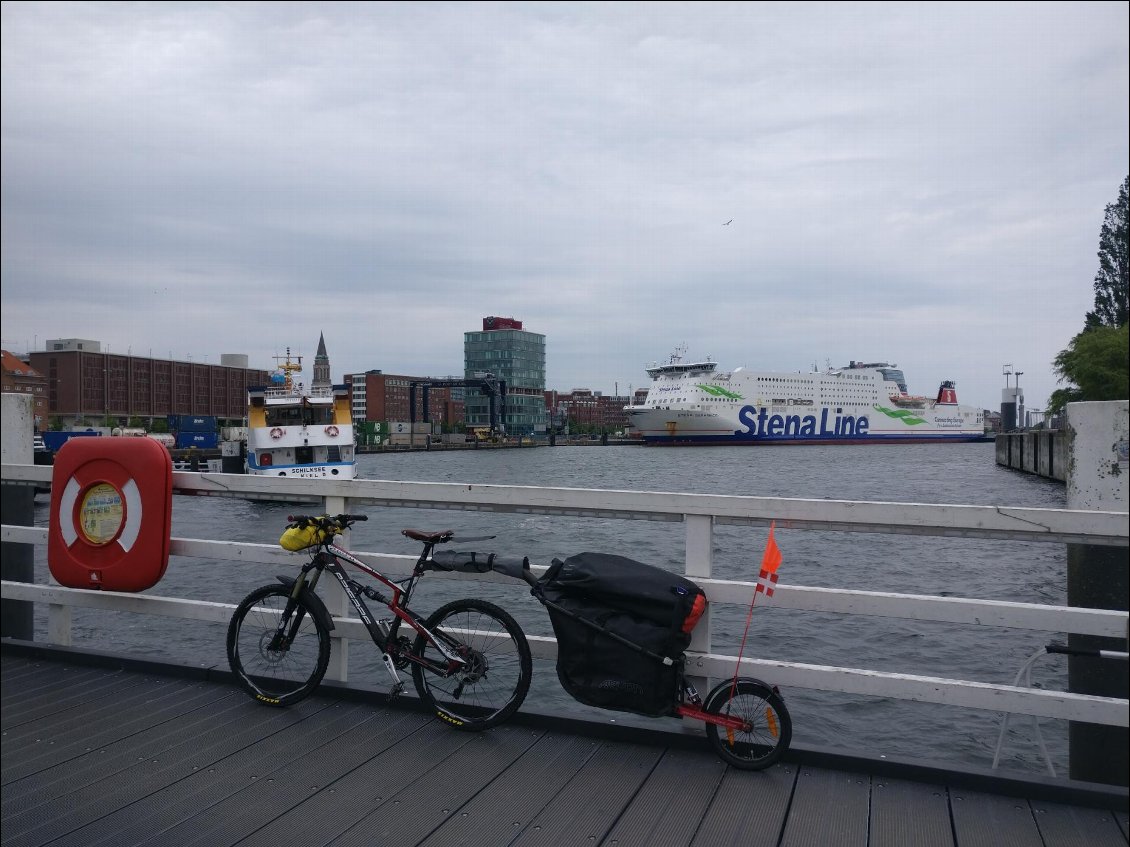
x: 300, y: 537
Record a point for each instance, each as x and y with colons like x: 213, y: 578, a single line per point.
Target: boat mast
x: 289, y: 367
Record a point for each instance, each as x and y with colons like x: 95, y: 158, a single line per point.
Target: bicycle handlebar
x: 328, y: 522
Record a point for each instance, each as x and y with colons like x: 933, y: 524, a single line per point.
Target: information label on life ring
x: 111, y: 513
x: 101, y: 514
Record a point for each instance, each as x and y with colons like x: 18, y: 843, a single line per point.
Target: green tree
x: 1112, y: 282
x: 1096, y: 364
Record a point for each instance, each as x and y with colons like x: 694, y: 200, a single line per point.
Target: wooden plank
x: 439, y: 794
x: 749, y: 808
x: 237, y: 789
x: 909, y: 814
x: 1077, y: 826
x: 829, y: 808
x: 986, y: 820
x: 587, y: 808
x: 507, y: 805
x: 670, y: 805
x: 109, y: 776
x: 69, y: 735
x: 278, y: 774
x: 327, y: 809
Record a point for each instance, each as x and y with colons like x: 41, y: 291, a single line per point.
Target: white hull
x: 300, y: 452
x: 857, y: 404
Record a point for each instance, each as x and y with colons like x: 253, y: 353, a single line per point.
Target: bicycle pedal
x: 395, y: 691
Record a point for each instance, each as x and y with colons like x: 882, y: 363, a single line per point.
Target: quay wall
x: 1040, y: 451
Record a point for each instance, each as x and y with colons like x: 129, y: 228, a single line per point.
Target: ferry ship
x: 298, y: 432
x: 860, y: 403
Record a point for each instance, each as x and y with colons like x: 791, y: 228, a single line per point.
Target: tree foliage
x: 1112, y: 282
x: 1096, y: 364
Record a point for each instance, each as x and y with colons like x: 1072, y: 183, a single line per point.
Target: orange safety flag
x: 766, y: 583
x: 770, y: 561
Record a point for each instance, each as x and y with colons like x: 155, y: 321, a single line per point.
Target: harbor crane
x: 489, y: 384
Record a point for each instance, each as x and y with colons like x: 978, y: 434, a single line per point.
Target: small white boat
x: 298, y: 432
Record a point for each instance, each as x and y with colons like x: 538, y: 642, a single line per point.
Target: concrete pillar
x: 1098, y: 473
x: 17, y: 507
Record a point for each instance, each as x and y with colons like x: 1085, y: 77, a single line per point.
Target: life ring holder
x: 276, y: 433
x: 111, y: 513
x: 332, y: 431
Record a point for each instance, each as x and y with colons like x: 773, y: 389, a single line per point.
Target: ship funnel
x: 947, y: 393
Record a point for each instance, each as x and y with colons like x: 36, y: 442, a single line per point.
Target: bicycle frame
x: 329, y: 558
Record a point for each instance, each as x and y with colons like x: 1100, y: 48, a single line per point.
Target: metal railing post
x: 700, y: 563
x: 337, y: 603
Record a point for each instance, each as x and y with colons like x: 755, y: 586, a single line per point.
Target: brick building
x: 379, y: 397
x: 18, y: 377
x: 87, y: 385
x: 585, y: 411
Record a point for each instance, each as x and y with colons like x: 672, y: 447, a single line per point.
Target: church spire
x: 322, y: 377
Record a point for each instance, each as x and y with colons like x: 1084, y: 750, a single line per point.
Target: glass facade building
x: 516, y: 357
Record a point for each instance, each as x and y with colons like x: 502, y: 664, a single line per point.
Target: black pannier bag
x: 652, y: 608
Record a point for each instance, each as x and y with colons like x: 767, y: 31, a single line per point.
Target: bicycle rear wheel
x: 495, y: 678
x: 274, y: 671
x: 770, y: 727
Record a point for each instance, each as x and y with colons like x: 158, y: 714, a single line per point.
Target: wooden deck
x: 100, y: 754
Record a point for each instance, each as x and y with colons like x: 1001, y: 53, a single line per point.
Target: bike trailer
x: 621, y: 629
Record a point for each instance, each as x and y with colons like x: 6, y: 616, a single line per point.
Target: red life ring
x: 111, y: 513
x: 331, y: 431
x: 277, y: 433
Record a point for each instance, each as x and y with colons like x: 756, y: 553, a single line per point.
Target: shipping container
x: 54, y: 440
x: 163, y: 438
x: 192, y: 423
x: 233, y: 433
x: 203, y: 440
x: 399, y: 427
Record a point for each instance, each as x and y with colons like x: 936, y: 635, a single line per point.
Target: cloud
x: 923, y: 183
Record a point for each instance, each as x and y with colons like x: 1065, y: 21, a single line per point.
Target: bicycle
x: 746, y: 719
x: 470, y: 661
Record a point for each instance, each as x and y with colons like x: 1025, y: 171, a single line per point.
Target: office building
x: 514, y: 356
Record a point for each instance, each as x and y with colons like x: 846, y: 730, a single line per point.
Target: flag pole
x: 766, y: 581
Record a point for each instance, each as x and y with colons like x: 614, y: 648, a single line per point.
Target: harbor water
x: 942, y: 473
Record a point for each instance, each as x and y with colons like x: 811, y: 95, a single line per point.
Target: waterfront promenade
x: 100, y: 750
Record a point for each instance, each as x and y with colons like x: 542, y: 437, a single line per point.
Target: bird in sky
x: 730, y: 221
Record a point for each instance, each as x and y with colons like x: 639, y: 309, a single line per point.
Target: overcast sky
x: 918, y: 183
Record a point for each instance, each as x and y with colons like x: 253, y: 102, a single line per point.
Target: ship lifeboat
x: 908, y: 401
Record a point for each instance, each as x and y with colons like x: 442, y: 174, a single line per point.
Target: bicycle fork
x: 289, y: 622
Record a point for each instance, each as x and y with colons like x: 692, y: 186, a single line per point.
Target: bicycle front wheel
x: 277, y: 665
x: 495, y: 675
x: 770, y: 729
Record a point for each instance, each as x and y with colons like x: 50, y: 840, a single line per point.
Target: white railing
x: 700, y: 514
